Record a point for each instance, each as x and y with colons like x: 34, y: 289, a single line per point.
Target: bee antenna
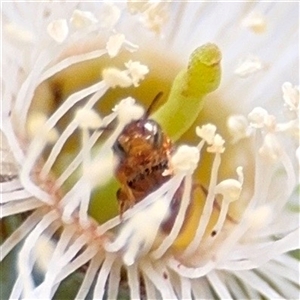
x: 152, y: 104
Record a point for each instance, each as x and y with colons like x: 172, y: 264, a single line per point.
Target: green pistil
x: 189, y: 88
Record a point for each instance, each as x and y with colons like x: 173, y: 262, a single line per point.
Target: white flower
x: 72, y: 83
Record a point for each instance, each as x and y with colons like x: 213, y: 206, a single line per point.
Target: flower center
x: 51, y: 95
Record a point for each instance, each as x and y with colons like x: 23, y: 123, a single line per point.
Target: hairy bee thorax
x: 144, y: 153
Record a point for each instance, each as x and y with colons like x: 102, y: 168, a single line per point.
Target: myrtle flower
x: 225, y: 221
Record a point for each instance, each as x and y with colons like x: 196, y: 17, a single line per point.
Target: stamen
x: 102, y: 277
x: 109, y: 15
x: 164, y: 274
x: 99, y: 90
x: 255, y: 21
x: 208, y: 208
x: 291, y: 176
x: 69, y: 61
x: 77, y: 160
x: 185, y: 288
x: 270, y: 123
x: 257, y: 117
x: 240, y: 174
x: 14, y: 196
x: 248, y: 66
x: 114, y: 280
x: 254, y: 256
x: 114, y: 77
x: 135, y: 7
x: 169, y: 187
x: 185, y: 159
x: 16, y: 292
x: 230, y: 189
x: 45, y: 289
x: 25, y: 261
x: 238, y: 127
x: 88, y: 118
x: 78, y: 262
x: 18, y: 235
x: 288, y: 261
x: 218, y: 285
x: 71, y: 201
x: 137, y: 71
x: 10, y: 186
x: 155, y: 16
x: 36, y: 128
x: 34, y: 151
x: 258, y: 284
x: 128, y: 111
x: 202, y: 289
x: 10, y: 141
x: 262, y: 176
x: 237, y: 289
x: 217, y: 145
x: 62, y: 244
x: 114, y: 44
x: 263, y: 216
x: 139, y: 239
x: 191, y: 272
x: 286, y: 288
x: 26, y: 92
x: 43, y: 251
x: 158, y: 280
x: 13, y: 208
x: 58, y: 30
x: 291, y: 127
x: 19, y: 33
x: 81, y: 19
x: 150, y: 289
x: 291, y: 96
x: 185, y: 201
x: 89, y: 277
x: 133, y: 281
x: 270, y: 150
x: 100, y: 170
x: 289, y: 273
x: 298, y: 155
x: 207, y: 132
x: 202, y: 270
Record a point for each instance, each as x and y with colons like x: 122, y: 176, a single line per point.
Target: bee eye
x: 157, y: 138
x: 154, y: 133
x: 118, y: 149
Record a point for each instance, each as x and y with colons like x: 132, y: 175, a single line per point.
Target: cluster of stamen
x: 118, y: 243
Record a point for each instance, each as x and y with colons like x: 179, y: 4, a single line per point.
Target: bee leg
x: 125, y: 199
x: 121, y: 196
x: 216, y: 204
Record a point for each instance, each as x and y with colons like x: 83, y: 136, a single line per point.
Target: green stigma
x: 189, y: 88
x: 185, y: 101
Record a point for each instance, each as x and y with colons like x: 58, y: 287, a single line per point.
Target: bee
x: 143, y: 151
x: 144, y: 164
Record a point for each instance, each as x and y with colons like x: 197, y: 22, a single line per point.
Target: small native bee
x: 144, y: 154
